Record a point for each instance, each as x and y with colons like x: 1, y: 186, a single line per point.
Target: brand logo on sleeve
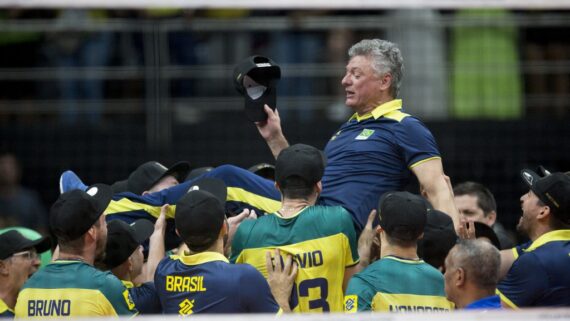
x: 351, y: 303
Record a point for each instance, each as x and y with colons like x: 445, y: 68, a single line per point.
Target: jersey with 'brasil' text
x: 207, y: 283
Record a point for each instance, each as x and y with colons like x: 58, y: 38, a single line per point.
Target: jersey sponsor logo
x: 365, y: 134
x: 186, y: 307
x: 351, y: 303
x: 176, y: 283
x: 414, y: 308
x: 52, y: 308
x: 128, y: 299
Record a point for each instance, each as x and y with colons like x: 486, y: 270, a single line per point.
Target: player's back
x: 321, y: 240
x: 73, y: 289
x: 206, y: 283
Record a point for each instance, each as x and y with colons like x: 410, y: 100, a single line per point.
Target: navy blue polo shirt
x: 539, y: 277
x: 207, y: 283
x: 373, y: 154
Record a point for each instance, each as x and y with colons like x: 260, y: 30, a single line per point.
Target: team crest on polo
x: 186, y: 307
x: 365, y: 134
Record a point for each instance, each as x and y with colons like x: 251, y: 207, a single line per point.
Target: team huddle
x: 332, y: 231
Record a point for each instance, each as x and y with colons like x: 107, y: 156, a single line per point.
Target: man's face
x: 22, y: 265
x: 164, y: 183
x: 361, y: 84
x: 101, y: 238
x: 530, y: 209
x: 467, y: 205
x: 449, y: 277
x: 137, y: 261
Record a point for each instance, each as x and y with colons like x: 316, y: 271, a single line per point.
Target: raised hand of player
x: 233, y: 224
x: 270, y: 130
x: 366, y: 241
x: 281, y: 277
x: 466, y: 229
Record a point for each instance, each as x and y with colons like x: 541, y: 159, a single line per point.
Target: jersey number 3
x: 320, y: 283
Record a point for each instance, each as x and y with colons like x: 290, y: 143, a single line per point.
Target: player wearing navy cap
x: 320, y: 238
x: 539, y: 275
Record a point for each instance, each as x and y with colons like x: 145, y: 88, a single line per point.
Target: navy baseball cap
x: 553, y: 190
x: 74, y: 212
x: 12, y: 242
x: 255, y: 78
x: 403, y: 212
x: 300, y: 160
x: 439, y: 238
x: 123, y: 239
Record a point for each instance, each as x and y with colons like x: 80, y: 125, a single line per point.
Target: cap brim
x: 143, y: 230
x: 214, y: 186
x: 179, y: 170
x: 484, y: 230
x: 41, y: 245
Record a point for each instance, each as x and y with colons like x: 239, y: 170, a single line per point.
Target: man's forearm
x: 277, y: 144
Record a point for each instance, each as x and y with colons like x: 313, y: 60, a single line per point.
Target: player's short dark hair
x: 402, y: 237
x: 294, y: 187
x: 485, y: 199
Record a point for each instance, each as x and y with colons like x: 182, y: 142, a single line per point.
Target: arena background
x: 102, y: 90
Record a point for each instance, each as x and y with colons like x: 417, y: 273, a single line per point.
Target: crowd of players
x: 331, y: 232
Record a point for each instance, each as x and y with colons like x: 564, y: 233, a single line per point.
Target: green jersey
x: 73, y: 289
x: 321, y: 240
x: 397, y: 285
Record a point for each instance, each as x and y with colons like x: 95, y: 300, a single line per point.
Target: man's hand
x: 270, y: 130
x: 366, y: 242
x: 466, y: 230
x: 233, y: 224
x: 280, y: 278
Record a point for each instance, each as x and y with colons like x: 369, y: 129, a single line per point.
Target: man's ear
x: 4, y: 270
x: 491, y: 218
x: 460, y: 277
x: 544, y: 212
x: 386, y: 81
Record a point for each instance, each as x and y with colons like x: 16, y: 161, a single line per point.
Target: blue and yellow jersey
x: 74, y: 289
x: 144, y: 297
x: 393, y: 284
x: 5, y: 311
x: 207, y: 283
x: 373, y: 154
x: 539, y: 277
x: 321, y: 240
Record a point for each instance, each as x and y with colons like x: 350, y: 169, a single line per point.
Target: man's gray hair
x: 386, y: 58
x: 480, y: 260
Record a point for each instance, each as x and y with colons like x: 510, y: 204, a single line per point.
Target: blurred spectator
x: 477, y: 203
x: 421, y: 38
x: 19, y: 206
x: 486, y: 77
x: 545, y: 49
x: 74, y: 48
x: 471, y: 275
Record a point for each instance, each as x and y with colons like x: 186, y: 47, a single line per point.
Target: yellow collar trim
x: 201, y: 258
x: 380, y: 110
x: 558, y: 235
x: 128, y: 284
x: 292, y: 216
x: 4, y: 307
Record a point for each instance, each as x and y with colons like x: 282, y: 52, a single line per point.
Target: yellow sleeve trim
x: 126, y: 205
x: 423, y: 161
x: 280, y: 312
x: 263, y: 203
x: 506, y: 300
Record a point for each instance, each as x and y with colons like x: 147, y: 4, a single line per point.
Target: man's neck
x: 290, y: 207
x: 83, y: 257
x: 409, y: 253
x: 8, y: 293
x: 539, y: 230
x: 472, y: 294
x: 369, y: 108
